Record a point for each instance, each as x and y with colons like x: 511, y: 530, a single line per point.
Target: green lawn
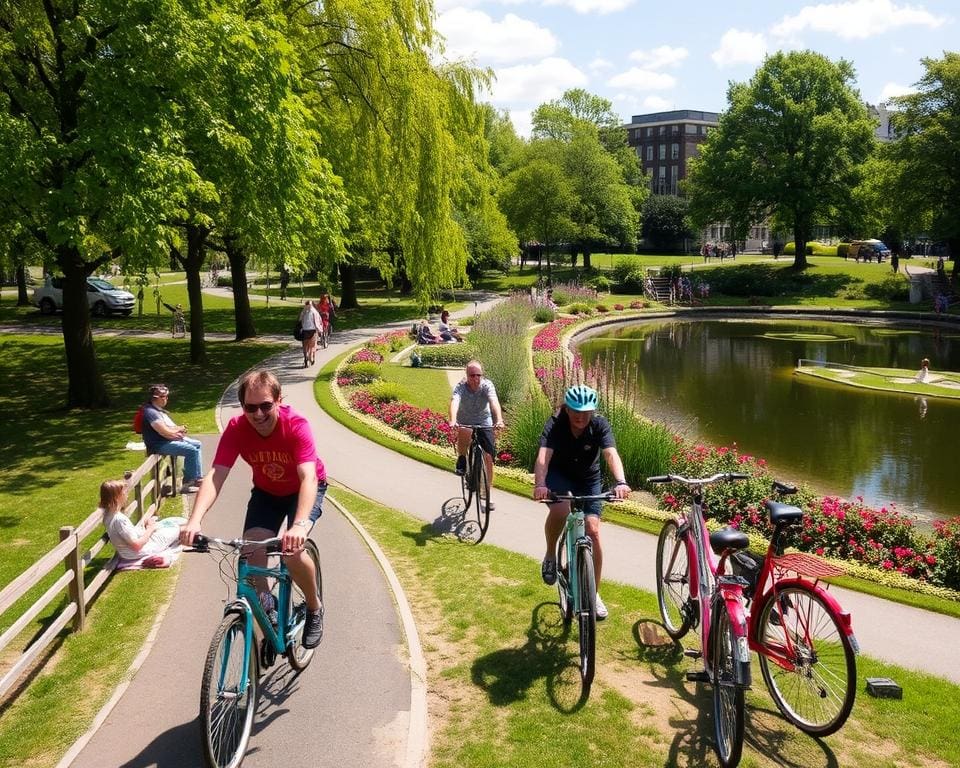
x: 502, y: 677
x: 422, y: 387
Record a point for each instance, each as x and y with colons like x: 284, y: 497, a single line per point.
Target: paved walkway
x: 354, y: 699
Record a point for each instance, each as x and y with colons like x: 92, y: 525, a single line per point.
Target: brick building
x: 664, y: 141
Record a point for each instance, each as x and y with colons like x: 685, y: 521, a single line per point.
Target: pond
x: 725, y: 381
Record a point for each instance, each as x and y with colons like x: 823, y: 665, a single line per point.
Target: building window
x: 674, y: 151
x: 649, y: 152
x: 674, y: 130
x: 663, y: 151
x: 649, y: 132
x: 663, y: 130
x: 690, y: 128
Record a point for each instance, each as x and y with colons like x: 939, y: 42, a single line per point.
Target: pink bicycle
x: 703, y: 594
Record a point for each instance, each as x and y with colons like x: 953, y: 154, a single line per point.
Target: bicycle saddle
x: 783, y: 513
x: 728, y: 539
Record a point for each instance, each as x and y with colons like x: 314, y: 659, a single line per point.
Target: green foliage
x: 500, y: 338
x: 629, y: 274
x: 893, y: 287
x: 579, y: 308
x: 544, y: 314
x: 791, y: 144
x: 843, y: 249
x: 664, y: 220
x: 538, y: 198
x: 814, y: 248
x: 447, y: 355
x: 386, y: 391
x: 363, y: 372
x: 600, y: 283
x: 525, y: 419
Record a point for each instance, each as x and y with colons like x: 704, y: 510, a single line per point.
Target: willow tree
x: 92, y: 157
x: 395, y: 127
x: 791, y: 144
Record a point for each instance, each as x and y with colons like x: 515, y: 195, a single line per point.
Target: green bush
x: 363, y: 372
x: 673, y: 271
x: 580, y: 308
x: 224, y: 281
x: 601, y: 283
x: 893, y: 287
x: 525, y: 420
x: 500, y: 338
x: 447, y: 355
x: 544, y: 314
x: 813, y: 249
x: 644, y: 447
x: 628, y: 275
x: 843, y: 249
x: 386, y: 391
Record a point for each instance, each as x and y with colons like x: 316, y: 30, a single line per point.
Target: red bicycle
x: 804, y: 639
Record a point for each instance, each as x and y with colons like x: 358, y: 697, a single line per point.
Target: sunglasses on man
x: 262, y: 407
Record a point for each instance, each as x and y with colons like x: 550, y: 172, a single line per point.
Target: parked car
x: 104, y: 298
x: 868, y: 250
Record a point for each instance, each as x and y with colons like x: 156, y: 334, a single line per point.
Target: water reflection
x: 733, y: 381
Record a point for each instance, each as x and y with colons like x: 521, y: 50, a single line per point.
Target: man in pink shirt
x: 289, y: 483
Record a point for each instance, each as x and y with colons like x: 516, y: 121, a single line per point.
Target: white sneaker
x: 602, y: 612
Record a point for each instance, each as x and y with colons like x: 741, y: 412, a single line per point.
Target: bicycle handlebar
x: 202, y: 543
x: 475, y: 426
x: 725, y: 476
x: 554, y: 498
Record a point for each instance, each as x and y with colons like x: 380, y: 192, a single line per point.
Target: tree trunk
x: 85, y: 385
x: 23, y: 300
x: 954, y: 245
x: 546, y: 247
x: 192, y: 265
x: 587, y: 266
x: 348, y: 286
x: 242, y: 316
x: 800, y: 233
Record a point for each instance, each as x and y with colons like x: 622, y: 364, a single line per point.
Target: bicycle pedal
x: 692, y: 653
x: 698, y: 677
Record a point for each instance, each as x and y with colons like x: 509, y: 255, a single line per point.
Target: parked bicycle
x: 694, y: 590
x: 231, y: 672
x: 475, y: 484
x: 804, y: 639
x: 577, y: 585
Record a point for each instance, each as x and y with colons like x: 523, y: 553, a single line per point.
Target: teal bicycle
x: 231, y: 672
x: 577, y: 585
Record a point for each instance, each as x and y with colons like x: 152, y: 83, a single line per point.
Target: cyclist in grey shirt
x: 475, y: 402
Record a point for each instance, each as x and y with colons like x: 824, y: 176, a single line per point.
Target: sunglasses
x: 262, y: 407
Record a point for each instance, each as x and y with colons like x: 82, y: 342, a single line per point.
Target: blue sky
x: 652, y: 56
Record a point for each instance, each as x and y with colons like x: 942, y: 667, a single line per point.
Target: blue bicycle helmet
x: 581, y: 398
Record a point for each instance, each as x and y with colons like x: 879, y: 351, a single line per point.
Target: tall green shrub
x: 500, y: 339
x: 525, y: 420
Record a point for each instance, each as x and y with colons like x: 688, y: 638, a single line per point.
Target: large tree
x: 92, y: 157
x: 926, y: 153
x: 791, y: 144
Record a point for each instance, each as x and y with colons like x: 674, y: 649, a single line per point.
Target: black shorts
x: 485, y: 438
x: 560, y: 485
x: 307, y: 335
x: 264, y: 510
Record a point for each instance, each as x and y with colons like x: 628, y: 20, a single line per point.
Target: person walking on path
x: 569, y: 462
x: 475, y: 402
x: 289, y: 483
x: 161, y: 435
x: 310, y: 324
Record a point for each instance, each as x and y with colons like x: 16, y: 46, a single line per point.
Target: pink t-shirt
x: 274, y: 459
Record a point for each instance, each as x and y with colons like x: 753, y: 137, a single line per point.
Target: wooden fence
x: 149, y: 483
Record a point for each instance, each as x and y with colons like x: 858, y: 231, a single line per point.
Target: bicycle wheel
x: 563, y: 582
x: 298, y: 656
x: 323, y: 338
x: 227, y: 712
x: 673, y: 581
x: 482, y: 491
x: 587, y: 619
x: 728, y: 706
x: 818, y: 693
x: 468, y: 483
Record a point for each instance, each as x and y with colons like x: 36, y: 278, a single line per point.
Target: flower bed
x: 421, y: 424
x: 366, y: 355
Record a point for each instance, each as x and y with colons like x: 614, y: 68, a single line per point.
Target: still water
x: 726, y: 381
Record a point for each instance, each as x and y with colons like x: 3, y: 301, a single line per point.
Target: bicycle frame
x: 575, y: 536
x: 709, y: 585
x: 768, y: 586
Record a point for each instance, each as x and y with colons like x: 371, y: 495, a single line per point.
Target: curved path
x: 352, y: 705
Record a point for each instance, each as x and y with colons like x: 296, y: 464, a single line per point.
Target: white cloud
x: 663, y: 56
x: 474, y: 35
x: 856, y: 20
x: 890, y: 90
x: 593, y: 6
x: 599, y: 64
x: 522, y: 120
x: 636, y: 79
x: 656, y: 104
x: 536, y: 83
x: 738, y: 47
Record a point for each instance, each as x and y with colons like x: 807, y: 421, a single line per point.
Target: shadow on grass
x: 506, y: 675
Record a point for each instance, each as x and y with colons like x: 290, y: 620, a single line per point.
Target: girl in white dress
x: 150, y: 536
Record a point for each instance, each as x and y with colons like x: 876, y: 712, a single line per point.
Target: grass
x: 423, y: 387
x: 500, y: 669
x: 378, y: 307
x: 54, y: 461
x: 887, y: 380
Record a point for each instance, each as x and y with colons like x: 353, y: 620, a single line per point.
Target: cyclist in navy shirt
x: 569, y: 462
